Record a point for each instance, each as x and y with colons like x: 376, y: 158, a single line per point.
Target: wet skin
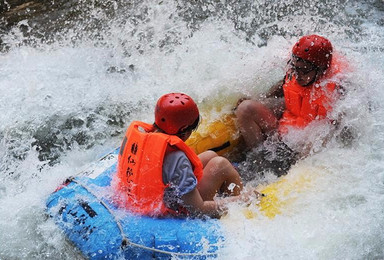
x: 305, y: 72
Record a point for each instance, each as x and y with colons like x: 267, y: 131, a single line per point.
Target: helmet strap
x: 156, y: 127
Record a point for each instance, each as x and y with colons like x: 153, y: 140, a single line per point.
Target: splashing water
x: 68, y: 93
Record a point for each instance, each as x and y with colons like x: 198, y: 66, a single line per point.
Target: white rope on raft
x: 125, y: 241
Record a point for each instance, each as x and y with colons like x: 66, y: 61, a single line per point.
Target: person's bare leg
x: 218, y: 176
x: 255, y: 120
x: 206, y: 156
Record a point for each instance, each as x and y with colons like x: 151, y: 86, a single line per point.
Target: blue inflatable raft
x: 100, y: 230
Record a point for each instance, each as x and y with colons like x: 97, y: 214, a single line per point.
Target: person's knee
x: 249, y: 108
x: 221, y: 164
x: 210, y: 154
x: 206, y: 156
x: 244, y: 109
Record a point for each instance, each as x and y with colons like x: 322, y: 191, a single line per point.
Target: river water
x: 67, y: 99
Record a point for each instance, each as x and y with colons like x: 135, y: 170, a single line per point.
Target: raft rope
x: 125, y: 241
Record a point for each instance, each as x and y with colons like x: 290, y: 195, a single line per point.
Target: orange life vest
x: 140, y: 166
x: 305, y: 104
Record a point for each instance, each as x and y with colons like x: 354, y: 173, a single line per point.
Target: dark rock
x: 42, y: 20
x: 14, y: 11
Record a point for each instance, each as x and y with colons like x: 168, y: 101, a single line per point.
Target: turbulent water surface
x: 69, y: 88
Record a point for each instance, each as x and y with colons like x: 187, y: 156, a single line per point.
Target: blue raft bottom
x: 100, y: 230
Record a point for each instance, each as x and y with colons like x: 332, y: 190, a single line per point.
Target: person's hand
x: 250, y: 196
x: 246, y: 197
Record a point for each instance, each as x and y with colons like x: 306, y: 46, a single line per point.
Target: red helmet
x: 176, y: 111
x: 315, y: 49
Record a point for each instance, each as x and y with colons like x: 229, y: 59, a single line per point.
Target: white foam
x: 340, y: 218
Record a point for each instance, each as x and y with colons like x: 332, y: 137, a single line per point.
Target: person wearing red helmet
x: 306, y: 94
x: 159, y: 175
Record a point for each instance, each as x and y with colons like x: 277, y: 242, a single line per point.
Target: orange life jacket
x: 305, y: 104
x: 140, y: 168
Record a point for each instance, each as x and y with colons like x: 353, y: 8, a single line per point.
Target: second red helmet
x: 315, y: 49
x: 174, y: 112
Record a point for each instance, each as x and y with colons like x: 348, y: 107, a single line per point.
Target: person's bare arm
x: 195, y: 204
x: 276, y: 91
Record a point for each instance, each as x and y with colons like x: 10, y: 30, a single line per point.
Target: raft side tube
x: 100, y: 230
